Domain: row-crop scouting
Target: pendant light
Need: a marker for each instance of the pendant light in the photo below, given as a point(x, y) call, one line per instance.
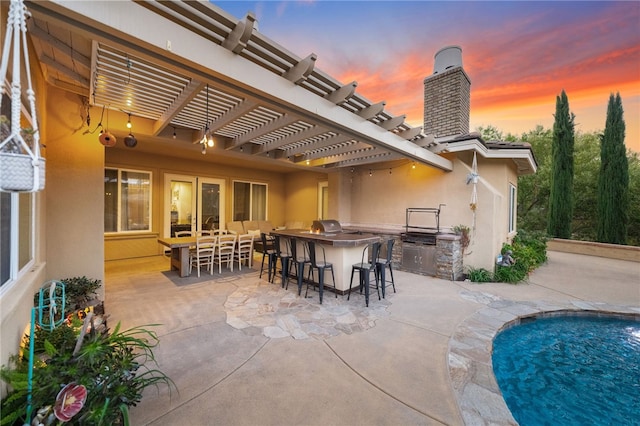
point(207, 138)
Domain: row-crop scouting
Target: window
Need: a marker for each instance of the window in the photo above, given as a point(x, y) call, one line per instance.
point(16, 234)
point(127, 200)
point(17, 223)
point(513, 202)
point(249, 201)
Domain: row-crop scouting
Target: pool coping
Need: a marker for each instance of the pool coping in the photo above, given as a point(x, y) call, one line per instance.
point(476, 391)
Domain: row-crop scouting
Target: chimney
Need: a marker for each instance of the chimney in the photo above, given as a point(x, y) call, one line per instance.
point(447, 95)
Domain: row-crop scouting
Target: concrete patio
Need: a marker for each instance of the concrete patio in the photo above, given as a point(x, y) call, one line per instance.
point(243, 351)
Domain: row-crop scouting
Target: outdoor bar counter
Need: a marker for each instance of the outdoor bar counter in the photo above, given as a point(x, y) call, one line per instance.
point(342, 249)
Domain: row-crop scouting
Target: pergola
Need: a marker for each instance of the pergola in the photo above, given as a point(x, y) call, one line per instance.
point(187, 68)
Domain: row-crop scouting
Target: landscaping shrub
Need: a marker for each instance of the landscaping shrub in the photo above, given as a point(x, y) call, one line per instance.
point(529, 251)
point(480, 275)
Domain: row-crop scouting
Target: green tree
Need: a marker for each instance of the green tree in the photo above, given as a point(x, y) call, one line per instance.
point(492, 133)
point(633, 230)
point(585, 186)
point(534, 189)
point(561, 199)
point(613, 181)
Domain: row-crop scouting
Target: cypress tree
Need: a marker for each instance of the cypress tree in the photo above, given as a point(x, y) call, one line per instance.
point(613, 180)
point(561, 196)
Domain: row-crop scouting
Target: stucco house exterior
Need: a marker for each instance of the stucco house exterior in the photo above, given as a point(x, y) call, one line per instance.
point(291, 144)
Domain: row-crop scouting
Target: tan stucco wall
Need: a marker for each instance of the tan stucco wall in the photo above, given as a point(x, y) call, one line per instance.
point(381, 199)
point(75, 174)
point(291, 197)
point(301, 196)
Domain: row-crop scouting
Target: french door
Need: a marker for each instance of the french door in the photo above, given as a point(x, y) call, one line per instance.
point(193, 203)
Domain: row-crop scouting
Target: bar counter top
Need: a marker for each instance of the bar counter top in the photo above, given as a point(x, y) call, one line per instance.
point(339, 239)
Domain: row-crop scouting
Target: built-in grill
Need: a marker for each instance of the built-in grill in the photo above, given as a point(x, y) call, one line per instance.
point(422, 225)
point(329, 226)
point(419, 239)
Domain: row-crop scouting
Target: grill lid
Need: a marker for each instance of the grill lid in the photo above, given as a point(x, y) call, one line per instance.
point(326, 226)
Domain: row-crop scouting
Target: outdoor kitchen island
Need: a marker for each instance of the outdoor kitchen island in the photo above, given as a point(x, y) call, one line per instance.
point(342, 249)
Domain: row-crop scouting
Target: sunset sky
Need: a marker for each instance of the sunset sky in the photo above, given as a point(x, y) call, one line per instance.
point(519, 55)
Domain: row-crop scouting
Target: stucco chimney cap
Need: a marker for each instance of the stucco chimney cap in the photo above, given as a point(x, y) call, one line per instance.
point(447, 58)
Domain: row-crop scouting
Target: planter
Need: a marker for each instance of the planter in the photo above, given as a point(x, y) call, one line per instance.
point(19, 172)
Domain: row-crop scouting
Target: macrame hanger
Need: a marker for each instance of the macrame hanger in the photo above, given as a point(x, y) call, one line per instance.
point(17, 33)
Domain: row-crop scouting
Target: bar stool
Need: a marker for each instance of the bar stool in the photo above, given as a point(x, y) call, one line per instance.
point(321, 266)
point(267, 252)
point(284, 257)
point(364, 268)
point(298, 262)
point(383, 263)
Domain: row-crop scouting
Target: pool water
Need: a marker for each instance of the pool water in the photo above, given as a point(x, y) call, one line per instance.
point(570, 370)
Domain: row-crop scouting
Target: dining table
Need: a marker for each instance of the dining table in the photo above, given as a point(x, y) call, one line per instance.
point(180, 247)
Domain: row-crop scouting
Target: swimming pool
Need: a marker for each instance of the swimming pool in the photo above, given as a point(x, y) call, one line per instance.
point(570, 370)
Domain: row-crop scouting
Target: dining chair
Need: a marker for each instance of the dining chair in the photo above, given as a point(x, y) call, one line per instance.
point(299, 261)
point(284, 256)
point(321, 265)
point(203, 254)
point(183, 234)
point(269, 253)
point(225, 249)
point(244, 250)
point(385, 262)
point(367, 264)
point(204, 232)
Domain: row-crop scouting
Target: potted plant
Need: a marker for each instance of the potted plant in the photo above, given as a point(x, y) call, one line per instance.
point(464, 232)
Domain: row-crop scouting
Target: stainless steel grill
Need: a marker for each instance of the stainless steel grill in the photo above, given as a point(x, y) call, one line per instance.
point(330, 226)
point(422, 225)
point(419, 240)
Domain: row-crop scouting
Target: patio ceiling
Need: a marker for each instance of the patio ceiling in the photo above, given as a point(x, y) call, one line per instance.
point(185, 66)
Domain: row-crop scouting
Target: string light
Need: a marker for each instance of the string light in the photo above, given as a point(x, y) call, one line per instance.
point(129, 122)
point(174, 133)
point(389, 170)
point(413, 166)
point(370, 172)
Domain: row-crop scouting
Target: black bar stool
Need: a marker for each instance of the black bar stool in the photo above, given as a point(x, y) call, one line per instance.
point(269, 253)
point(364, 268)
point(321, 266)
point(284, 257)
point(383, 263)
point(299, 261)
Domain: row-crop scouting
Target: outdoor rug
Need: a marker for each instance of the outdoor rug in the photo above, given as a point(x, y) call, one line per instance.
point(175, 278)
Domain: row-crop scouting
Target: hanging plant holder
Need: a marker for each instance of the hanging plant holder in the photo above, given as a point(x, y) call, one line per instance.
point(22, 169)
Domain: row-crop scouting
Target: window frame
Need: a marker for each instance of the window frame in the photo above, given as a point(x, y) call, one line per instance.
point(251, 185)
point(119, 182)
